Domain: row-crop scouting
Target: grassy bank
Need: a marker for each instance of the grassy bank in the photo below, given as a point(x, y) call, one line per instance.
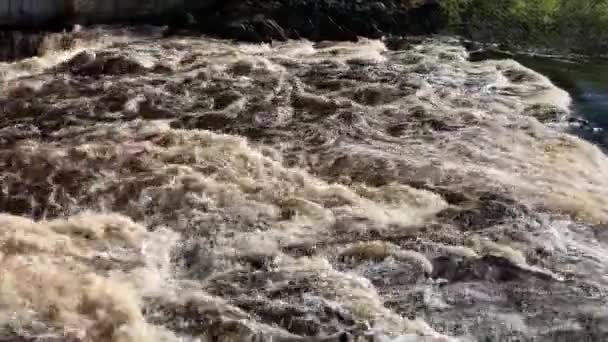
point(570, 25)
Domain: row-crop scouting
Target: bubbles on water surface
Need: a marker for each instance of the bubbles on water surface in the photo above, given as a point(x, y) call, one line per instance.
point(188, 188)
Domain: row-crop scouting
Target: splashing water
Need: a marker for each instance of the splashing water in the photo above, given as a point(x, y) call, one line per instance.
point(175, 189)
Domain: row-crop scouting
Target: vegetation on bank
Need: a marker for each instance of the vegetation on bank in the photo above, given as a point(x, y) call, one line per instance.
point(575, 25)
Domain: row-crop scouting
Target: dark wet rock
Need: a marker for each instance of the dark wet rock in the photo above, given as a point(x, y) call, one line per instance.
point(579, 122)
point(212, 121)
point(351, 118)
point(80, 59)
point(421, 122)
point(225, 99)
point(196, 317)
point(397, 129)
point(485, 211)
point(439, 125)
point(204, 318)
point(153, 110)
point(295, 304)
point(296, 319)
point(451, 196)
point(519, 76)
point(374, 96)
point(15, 45)
point(259, 21)
point(487, 268)
point(446, 266)
point(257, 261)
point(90, 64)
point(107, 65)
point(567, 335)
point(256, 29)
point(302, 250)
point(112, 100)
point(317, 20)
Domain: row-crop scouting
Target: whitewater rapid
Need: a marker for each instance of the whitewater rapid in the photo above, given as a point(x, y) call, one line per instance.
point(189, 189)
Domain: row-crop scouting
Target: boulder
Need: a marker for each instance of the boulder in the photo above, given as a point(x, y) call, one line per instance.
point(317, 19)
point(267, 20)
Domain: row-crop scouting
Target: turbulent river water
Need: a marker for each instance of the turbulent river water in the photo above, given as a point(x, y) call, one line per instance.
point(585, 80)
point(189, 189)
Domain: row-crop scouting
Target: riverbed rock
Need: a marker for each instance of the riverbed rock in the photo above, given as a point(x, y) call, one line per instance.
point(256, 21)
point(318, 20)
point(487, 268)
point(16, 45)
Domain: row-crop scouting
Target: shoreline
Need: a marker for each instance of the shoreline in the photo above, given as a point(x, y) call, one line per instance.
point(280, 20)
point(245, 21)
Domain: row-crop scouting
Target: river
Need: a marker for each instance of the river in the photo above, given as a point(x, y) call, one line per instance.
point(189, 189)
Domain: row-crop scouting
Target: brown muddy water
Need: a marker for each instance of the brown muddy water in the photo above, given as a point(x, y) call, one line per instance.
point(189, 189)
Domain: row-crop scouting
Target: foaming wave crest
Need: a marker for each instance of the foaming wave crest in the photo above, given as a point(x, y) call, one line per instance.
point(78, 275)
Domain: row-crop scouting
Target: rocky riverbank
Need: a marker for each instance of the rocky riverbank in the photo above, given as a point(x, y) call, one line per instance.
point(255, 21)
point(565, 26)
point(262, 20)
point(318, 20)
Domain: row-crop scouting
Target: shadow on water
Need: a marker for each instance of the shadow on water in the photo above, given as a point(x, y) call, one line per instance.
point(586, 81)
